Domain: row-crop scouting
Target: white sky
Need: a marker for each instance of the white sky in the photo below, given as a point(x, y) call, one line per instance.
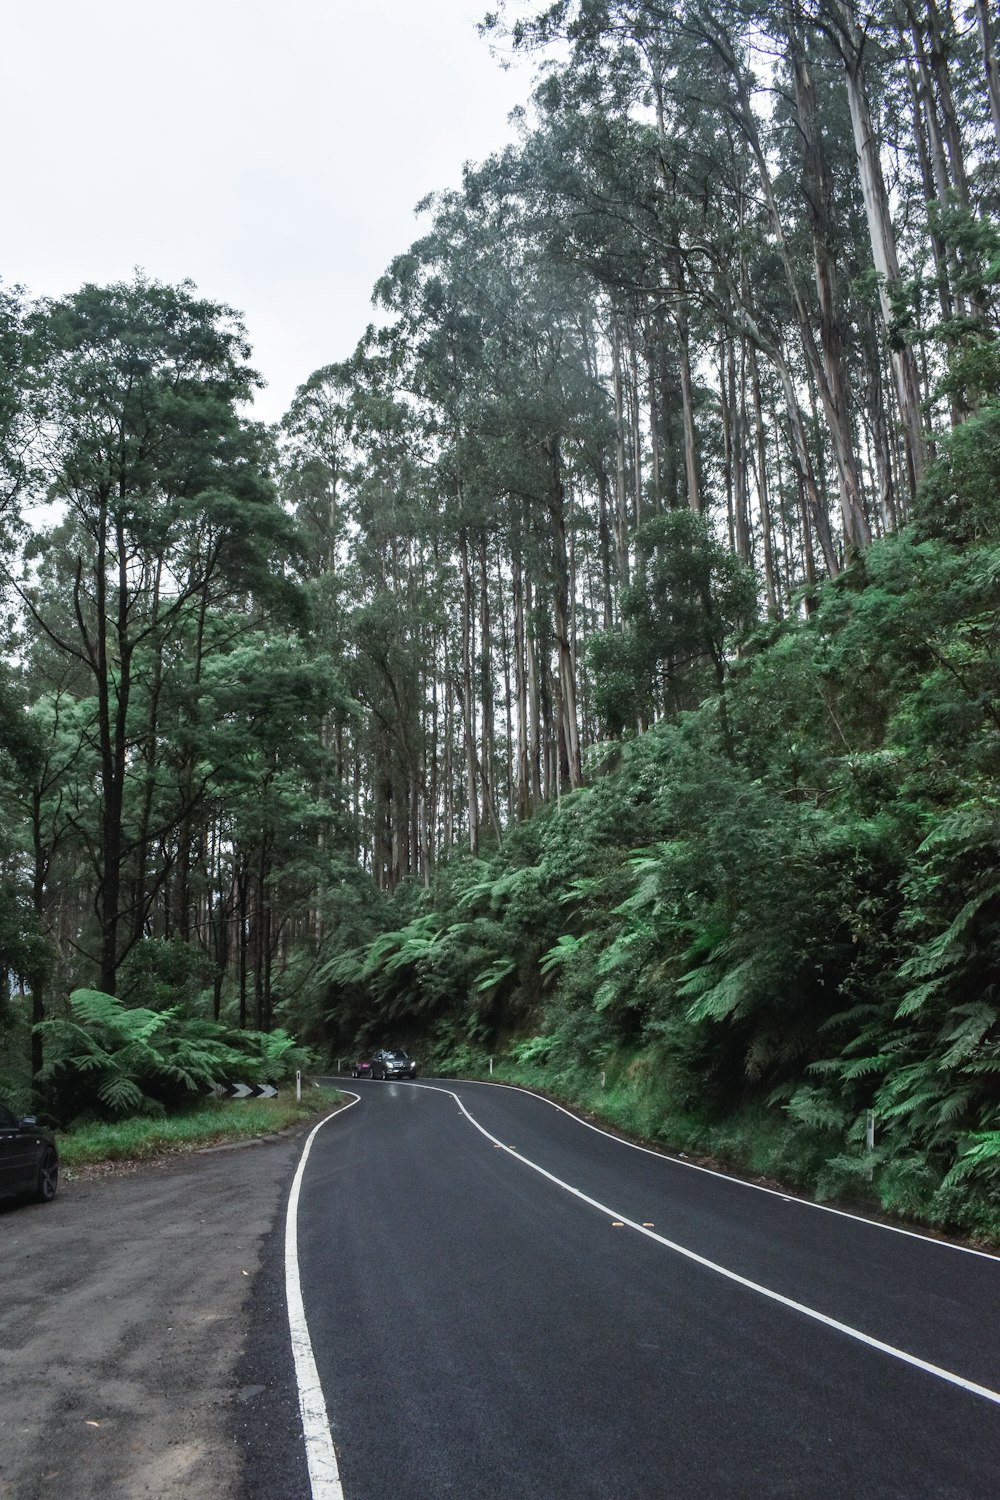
point(272, 151)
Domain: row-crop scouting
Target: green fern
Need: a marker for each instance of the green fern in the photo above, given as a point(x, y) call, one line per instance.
point(564, 948)
point(719, 996)
point(981, 1159)
point(491, 978)
point(122, 1059)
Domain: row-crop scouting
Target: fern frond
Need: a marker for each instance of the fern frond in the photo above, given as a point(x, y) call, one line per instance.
point(563, 948)
point(910, 1105)
point(954, 1105)
point(916, 999)
point(721, 998)
point(815, 1109)
point(983, 1156)
point(120, 1094)
point(492, 977)
point(861, 1067)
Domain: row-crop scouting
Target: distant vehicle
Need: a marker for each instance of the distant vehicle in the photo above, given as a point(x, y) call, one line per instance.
point(29, 1161)
point(392, 1064)
point(362, 1068)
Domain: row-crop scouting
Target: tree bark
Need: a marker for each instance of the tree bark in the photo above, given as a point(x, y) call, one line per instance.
point(849, 41)
point(990, 65)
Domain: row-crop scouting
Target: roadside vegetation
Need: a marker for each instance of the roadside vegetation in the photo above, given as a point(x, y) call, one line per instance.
point(766, 930)
point(212, 1123)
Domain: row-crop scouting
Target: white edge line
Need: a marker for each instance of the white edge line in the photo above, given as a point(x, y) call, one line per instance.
point(758, 1187)
point(321, 1459)
point(753, 1286)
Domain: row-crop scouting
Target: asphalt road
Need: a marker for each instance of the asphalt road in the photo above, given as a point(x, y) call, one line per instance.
point(479, 1329)
point(482, 1331)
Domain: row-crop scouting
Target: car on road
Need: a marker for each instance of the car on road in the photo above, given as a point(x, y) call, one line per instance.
point(392, 1064)
point(29, 1161)
point(362, 1068)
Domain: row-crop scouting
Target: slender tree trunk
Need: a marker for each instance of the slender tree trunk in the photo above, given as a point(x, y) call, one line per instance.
point(818, 197)
point(562, 612)
point(468, 696)
point(737, 417)
point(113, 700)
point(486, 688)
point(635, 405)
point(258, 940)
point(849, 39)
point(682, 325)
point(604, 544)
point(534, 661)
point(506, 647)
point(521, 684)
point(713, 30)
point(992, 69)
point(763, 492)
point(621, 487)
point(243, 899)
point(940, 40)
point(448, 769)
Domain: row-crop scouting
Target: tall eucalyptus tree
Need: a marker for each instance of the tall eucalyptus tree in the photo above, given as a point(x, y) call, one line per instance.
point(166, 510)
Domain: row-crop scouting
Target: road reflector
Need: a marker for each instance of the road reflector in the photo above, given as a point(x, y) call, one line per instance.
point(648, 1224)
point(617, 1224)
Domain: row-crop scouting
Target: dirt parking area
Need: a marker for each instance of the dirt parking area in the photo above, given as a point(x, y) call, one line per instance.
point(125, 1313)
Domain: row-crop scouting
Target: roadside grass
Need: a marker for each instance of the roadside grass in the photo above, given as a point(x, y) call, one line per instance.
point(215, 1122)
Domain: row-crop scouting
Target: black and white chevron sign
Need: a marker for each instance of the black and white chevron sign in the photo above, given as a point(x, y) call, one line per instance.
point(243, 1090)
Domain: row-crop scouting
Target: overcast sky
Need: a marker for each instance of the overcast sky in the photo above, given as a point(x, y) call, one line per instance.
point(272, 151)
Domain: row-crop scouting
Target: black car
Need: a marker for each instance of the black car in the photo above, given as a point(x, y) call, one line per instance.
point(29, 1161)
point(362, 1068)
point(392, 1064)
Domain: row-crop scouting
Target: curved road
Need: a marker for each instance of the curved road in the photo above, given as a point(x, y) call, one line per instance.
point(504, 1301)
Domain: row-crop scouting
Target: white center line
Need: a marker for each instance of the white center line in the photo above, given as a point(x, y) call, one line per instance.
point(710, 1265)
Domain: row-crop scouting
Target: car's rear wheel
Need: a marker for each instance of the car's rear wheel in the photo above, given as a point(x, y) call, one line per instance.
point(48, 1177)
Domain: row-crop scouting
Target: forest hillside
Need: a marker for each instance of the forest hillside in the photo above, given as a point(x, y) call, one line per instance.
point(596, 669)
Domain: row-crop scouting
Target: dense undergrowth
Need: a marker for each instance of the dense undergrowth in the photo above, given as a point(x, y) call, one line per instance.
point(782, 907)
point(107, 1061)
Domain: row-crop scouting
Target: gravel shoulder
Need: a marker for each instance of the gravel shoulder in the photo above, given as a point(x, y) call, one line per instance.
point(125, 1324)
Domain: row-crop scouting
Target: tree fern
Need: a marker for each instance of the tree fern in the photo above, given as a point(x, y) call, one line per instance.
point(121, 1059)
point(490, 979)
point(564, 948)
point(719, 997)
point(981, 1159)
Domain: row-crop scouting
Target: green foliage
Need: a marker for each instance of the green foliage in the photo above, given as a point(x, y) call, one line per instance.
point(166, 973)
point(692, 602)
point(113, 1060)
point(959, 499)
point(268, 1056)
point(980, 1159)
point(802, 925)
point(775, 910)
